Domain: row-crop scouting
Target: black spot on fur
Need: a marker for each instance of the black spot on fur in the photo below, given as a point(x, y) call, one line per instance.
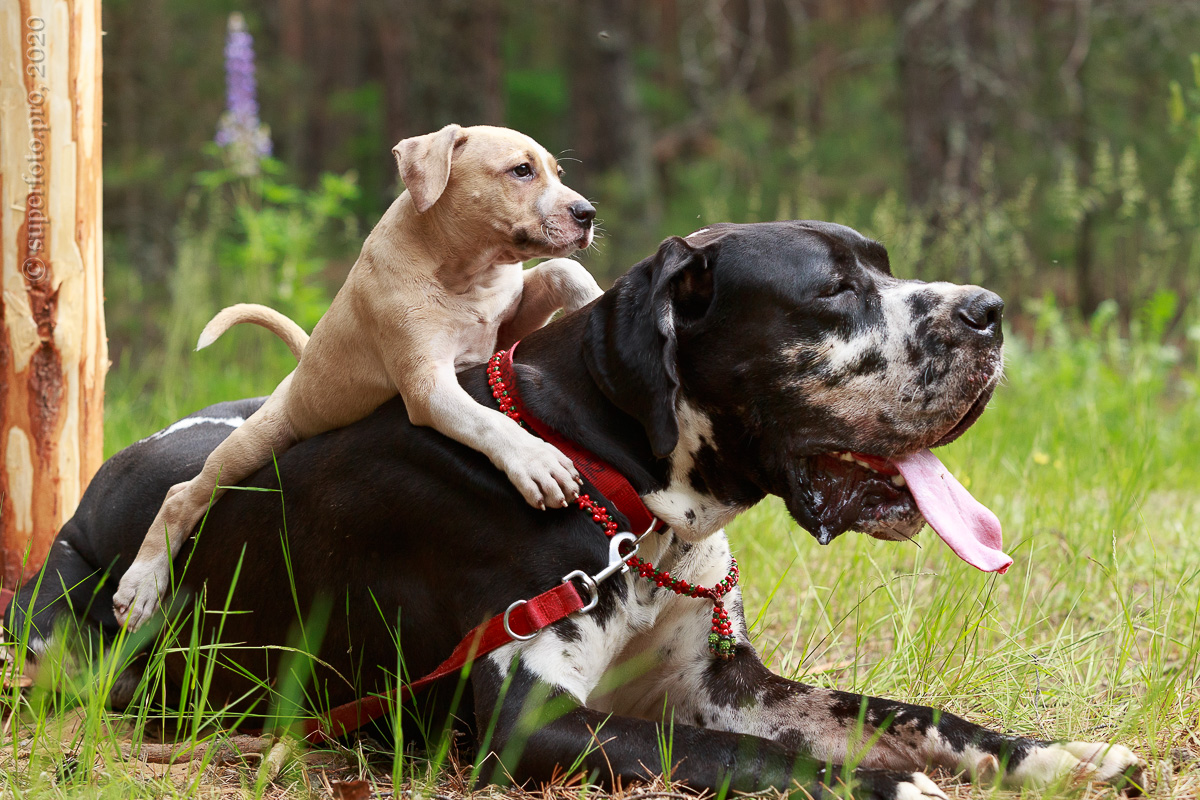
point(690, 515)
point(913, 352)
point(921, 303)
point(568, 631)
point(868, 363)
point(734, 683)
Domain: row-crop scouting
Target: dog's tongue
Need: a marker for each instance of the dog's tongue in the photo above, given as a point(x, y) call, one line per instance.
point(969, 527)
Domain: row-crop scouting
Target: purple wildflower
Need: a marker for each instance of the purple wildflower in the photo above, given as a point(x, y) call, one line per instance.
point(245, 139)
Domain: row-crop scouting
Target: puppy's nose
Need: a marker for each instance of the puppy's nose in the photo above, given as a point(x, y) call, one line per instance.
point(583, 212)
point(982, 310)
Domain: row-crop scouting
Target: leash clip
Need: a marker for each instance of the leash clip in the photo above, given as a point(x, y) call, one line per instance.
point(616, 563)
point(591, 583)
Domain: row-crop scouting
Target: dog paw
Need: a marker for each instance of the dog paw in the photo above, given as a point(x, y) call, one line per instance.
point(574, 285)
point(543, 475)
point(884, 785)
point(1079, 762)
point(137, 596)
point(980, 767)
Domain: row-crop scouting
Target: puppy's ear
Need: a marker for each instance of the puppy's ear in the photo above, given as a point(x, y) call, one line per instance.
point(632, 334)
point(424, 163)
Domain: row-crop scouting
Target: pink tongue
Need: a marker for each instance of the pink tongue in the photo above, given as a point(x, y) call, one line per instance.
point(969, 527)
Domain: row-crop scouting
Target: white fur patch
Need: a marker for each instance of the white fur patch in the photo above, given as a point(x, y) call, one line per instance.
point(918, 787)
point(1073, 762)
point(190, 422)
point(692, 515)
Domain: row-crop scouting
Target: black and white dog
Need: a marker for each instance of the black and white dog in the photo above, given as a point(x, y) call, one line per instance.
point(745, 360)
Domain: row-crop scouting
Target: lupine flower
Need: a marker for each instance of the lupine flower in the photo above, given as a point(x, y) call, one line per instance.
point(245, 139)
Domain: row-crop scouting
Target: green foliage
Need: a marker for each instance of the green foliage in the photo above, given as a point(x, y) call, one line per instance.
point(1185, 107)
point(272, 238)
point(255, 240)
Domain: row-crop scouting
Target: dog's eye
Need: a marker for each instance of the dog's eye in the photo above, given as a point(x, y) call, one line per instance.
point(521, 171)
point(840, 288)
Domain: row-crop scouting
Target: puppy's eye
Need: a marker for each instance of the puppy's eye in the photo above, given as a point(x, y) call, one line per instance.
point(521, 171)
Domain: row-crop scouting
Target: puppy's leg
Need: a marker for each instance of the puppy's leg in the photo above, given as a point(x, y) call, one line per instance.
point(551, 285)
point(545, 477)
point(742, 695)
point(249, 447)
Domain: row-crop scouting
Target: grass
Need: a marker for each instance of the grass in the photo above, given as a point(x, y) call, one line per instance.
point(1087, 454)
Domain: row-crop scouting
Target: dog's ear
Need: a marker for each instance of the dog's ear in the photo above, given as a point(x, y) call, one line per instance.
point(631, 338)
point(424, 163)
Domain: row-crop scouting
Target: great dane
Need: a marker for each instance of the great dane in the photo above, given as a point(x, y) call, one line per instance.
point(744, 360)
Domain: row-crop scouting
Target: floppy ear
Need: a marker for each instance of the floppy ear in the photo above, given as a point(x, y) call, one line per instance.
point(424, 163)
point(630, 342)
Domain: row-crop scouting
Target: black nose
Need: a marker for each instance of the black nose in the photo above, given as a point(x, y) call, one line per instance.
point(583, 212)
point(982, 310)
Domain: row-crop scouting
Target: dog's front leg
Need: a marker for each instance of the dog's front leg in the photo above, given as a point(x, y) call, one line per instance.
point(554, 284)
point(544, 476)
point(742, 695)
point(531, 730)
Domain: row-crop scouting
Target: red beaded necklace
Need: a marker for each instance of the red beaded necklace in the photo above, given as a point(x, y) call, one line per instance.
point(721, 640)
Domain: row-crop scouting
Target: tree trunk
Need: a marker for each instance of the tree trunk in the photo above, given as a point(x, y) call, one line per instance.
point(53, 351)
point(947, 107)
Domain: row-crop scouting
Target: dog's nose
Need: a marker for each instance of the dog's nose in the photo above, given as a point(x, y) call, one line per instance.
point(583, 212)
point(982, 311)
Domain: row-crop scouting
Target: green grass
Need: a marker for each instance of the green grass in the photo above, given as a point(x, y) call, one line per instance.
point(1087, 454)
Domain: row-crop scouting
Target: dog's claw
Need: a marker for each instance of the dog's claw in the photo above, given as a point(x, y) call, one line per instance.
point(137, 596)
point(543, 475)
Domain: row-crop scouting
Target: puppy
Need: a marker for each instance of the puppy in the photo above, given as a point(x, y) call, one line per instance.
point(437, 286)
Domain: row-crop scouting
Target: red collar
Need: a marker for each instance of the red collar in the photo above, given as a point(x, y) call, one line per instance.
point(608, 481)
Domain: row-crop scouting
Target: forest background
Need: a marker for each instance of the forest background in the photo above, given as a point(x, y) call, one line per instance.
point(1047, 149)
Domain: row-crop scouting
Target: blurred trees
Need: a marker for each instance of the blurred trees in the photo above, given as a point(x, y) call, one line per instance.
point(1022, 143)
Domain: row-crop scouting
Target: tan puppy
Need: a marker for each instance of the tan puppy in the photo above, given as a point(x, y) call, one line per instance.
point(437, 284)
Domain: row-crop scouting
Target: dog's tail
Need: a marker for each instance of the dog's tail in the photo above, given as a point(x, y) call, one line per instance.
point(291, 333)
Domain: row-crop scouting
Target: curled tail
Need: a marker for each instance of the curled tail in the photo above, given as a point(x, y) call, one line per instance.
point(291, 333)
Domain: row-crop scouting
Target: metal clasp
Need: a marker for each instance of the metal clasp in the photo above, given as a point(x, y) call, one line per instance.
point(617, 563)
point(591, 583)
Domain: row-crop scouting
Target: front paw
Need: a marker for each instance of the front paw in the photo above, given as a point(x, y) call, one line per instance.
point(542, 474)
point(138, 594)
point(870, 784)
point(1078, 763)
point(574, 284)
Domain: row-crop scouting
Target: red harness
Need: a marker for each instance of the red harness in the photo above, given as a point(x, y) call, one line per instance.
point(523, 618)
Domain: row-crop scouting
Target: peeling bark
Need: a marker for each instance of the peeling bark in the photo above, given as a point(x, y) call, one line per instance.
point(53, 351)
